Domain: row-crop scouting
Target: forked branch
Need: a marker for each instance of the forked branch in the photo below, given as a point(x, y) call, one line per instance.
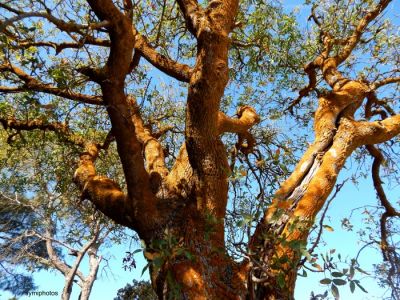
point(247, 118)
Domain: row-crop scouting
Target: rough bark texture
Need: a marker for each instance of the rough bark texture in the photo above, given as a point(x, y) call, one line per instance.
point(179, 213)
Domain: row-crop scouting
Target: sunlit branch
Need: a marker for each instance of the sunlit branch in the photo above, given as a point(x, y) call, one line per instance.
point(310, 70)
point(384, 82)
point(369, 133)
point(103, 192)
point(247, 118)
point(152, 149)
point(175, 69)
point(353, 40)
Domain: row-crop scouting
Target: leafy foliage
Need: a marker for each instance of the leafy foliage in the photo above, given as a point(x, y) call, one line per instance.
point(138, 290)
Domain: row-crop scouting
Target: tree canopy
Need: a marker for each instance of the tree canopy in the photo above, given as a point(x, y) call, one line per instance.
point(216, 130)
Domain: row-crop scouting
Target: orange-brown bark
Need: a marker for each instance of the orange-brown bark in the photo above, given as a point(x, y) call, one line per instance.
point(304, 193)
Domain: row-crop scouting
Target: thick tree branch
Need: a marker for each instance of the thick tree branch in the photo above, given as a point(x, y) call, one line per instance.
point(369, 133)
point(247, 118)
point(104, 193)
point(175, 69)
point(192, 13)
point(139, 209)
point(128, 7)
point(152, 149)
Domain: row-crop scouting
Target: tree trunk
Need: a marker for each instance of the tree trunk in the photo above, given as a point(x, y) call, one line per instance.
point(87, 283)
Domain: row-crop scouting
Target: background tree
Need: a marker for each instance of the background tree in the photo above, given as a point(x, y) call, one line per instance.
point(40, 228)
point(226, 55)
point(137, 290)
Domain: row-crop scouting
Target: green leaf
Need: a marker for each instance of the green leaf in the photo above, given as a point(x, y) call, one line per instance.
point(137, 251)
point(339, 281)
point(360, 286)
point(352, 286)
point(281, 280)
point(189, 255)
point(144, 269)
point(335, 291)
point(304, 274)
point(337, 274)
point(325, 281)
point(240, 223)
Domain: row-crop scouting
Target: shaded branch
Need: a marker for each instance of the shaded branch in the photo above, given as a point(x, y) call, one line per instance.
point(60, 128)
point(33, 84)
point(60, 24)
point(58, 47)
point(388, 251)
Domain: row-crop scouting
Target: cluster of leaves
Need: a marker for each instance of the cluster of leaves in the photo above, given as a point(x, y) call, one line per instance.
point(138, 290)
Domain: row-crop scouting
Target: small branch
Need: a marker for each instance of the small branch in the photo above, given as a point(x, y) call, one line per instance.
point(338, 187)
point(353, 40)
point(87, 40)
point(384, 82)
point(310, 70)
point(60, 24)
point(59, 128)
point(33, 84)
